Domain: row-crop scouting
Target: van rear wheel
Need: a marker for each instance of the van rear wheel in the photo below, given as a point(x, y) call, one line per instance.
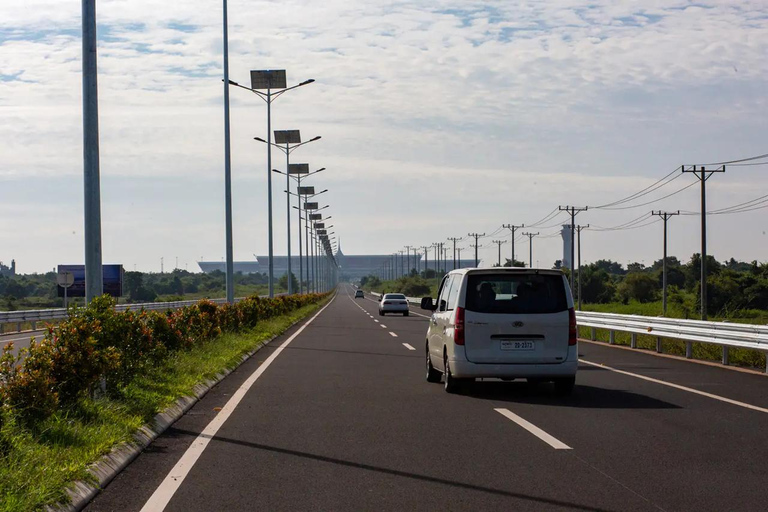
point(564, 386)
point(432, 374)
point(452, 384)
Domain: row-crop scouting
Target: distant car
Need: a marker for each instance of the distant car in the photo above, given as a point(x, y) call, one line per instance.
point(359, 294)
point(505, 323)
point(393, 303)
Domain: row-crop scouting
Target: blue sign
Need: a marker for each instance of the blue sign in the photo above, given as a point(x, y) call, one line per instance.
point(112, 275)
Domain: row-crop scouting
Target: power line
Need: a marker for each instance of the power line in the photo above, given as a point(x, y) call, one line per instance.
point(647, 190)
point(651, 202)
point(759, 157)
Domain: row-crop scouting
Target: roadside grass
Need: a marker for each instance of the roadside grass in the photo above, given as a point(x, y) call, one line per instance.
point(38, 462)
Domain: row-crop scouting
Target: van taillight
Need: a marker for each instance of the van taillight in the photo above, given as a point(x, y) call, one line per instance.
point(573, 331)
point(458, 330)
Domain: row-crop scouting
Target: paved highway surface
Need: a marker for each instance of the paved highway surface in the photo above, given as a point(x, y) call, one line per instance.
point(20, 339)
point(337, 415)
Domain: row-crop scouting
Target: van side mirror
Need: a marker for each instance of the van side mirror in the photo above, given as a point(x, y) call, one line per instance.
point(426, 303)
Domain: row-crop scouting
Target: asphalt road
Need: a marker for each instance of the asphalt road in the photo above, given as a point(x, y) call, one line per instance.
point(341, 418)
point(20, 339)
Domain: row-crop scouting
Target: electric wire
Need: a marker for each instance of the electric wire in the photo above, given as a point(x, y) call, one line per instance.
point(654, 201)
point(647, 190)
point(759, 157)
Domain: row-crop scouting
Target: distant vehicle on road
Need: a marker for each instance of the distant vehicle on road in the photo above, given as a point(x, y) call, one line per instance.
point(503, 323)
point(393, 303)
point(359, 294)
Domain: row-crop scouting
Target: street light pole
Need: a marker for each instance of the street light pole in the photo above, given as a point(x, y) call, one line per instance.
point(94, 279)
point(269, 79)
point(230, 266)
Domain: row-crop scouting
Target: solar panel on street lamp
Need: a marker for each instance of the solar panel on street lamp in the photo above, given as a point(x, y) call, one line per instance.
point(268, 79)
point(287, 136)
point(315, 216)
point(306, 191)
point(298, 168)
point(310, 206)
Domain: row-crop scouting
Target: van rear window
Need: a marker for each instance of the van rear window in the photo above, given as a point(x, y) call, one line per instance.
point(516, 293)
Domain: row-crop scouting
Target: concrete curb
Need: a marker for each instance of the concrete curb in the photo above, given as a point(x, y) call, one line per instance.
point(105, 470)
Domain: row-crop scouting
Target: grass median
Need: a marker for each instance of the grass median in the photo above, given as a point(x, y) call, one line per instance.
point(39, 461)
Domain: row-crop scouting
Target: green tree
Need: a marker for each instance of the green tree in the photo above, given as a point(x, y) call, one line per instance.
point(641, 287)
point(283, 282)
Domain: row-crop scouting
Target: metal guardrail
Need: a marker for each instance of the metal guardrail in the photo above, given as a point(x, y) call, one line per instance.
point(39, 315)
point(723, 334)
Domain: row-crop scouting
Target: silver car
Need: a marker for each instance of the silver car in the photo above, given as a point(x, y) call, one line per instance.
point(393, 303)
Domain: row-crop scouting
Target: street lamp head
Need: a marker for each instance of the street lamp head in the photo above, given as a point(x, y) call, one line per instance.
point(260, 139)
point(315, 138)
point(232, 82)
point(305, 82)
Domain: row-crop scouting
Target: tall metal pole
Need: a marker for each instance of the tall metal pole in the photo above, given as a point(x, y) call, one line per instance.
point(288, 212)
point(230, 266)
point(269, 193)
point(91, 177)
point(301, 257)
point(408, 259)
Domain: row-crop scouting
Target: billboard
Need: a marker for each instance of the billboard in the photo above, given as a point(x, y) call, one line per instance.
point(112, 275)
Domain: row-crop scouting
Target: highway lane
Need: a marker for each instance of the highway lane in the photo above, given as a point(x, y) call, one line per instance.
point(344, 420)
point(20, 339)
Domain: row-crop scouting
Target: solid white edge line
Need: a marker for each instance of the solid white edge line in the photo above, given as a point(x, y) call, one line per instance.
point(395, 336)
point(165, 491)
point(533, 429)
point(678, 386)
point(408, 346)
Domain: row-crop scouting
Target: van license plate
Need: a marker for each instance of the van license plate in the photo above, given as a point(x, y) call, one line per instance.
point(517, 345)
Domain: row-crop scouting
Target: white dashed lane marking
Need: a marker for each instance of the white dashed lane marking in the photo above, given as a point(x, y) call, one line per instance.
point(408, 346)
point(533, 429)
point(395, 336)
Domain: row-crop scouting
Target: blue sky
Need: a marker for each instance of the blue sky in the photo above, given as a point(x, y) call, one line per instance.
point(438, 119)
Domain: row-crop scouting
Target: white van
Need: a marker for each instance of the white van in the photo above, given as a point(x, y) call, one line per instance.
point(502, 323)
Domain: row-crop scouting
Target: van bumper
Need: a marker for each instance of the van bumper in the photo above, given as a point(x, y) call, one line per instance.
point(461, 368)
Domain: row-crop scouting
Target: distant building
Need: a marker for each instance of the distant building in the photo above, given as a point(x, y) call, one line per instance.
point(8, 271)
point(565, 233)
point(352, 267)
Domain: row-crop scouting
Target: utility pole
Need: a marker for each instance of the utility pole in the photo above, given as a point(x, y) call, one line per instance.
point(572, 210)
point(436, 246)
point(162, 268)
point(703, 175)
point(499, 243)
point(476, 236)
point(454, 240)
point(458, 250)
point(665, 216)
point(513, 228)
point(578, 231)
point(426, 260)
point(402, 264)
point(530, 247)
point(408, 259)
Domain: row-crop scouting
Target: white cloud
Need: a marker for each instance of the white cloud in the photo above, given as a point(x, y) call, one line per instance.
point(502, 110)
